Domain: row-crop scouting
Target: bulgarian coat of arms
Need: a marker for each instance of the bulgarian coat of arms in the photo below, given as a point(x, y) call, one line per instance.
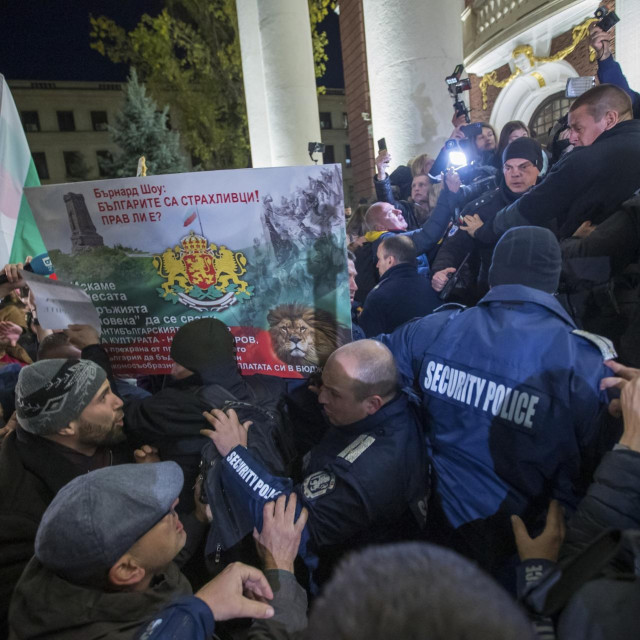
point(203, 276)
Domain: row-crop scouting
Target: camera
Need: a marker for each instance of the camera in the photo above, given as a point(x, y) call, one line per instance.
point(577, 86)
point(607, 19)
point(456, 86)
point(456, 157)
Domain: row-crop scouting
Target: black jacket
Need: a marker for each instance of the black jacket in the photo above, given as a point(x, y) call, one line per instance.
point(589, 183)
point(459, 243)
point(172, 418)
point(32, 471)
point(401, 295)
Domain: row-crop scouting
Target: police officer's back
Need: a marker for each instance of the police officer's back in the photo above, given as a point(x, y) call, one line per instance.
point(510, 393)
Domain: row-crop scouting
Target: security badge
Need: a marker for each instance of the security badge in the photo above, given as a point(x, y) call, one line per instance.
point(318, 484)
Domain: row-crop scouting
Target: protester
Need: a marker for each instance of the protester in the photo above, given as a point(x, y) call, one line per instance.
point(204, 375)
point(277, 543)
point(69, 423)
point(508, 380)
point(366, 481)
point(401, 294)
point(104, 556)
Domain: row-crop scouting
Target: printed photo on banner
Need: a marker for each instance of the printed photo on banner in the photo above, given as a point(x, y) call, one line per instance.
point(263, 250)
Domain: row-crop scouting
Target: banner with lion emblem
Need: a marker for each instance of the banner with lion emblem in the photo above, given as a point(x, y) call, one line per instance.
point(263, 250)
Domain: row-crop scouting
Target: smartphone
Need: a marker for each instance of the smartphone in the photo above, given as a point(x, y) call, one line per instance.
point(382, 145)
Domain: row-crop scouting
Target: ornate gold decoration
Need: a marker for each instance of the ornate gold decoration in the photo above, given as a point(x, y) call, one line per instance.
point(578, 34)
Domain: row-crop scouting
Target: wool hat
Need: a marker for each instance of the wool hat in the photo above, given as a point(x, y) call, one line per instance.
point(98, 516)
point(529, 256)
point(202, 343)
point(52, 393)
point(526, 148)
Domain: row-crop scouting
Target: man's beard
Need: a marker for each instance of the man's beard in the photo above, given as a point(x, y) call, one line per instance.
point(100, 435)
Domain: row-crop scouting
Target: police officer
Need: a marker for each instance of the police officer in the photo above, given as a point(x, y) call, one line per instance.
point(510, 393)
point(365, 480)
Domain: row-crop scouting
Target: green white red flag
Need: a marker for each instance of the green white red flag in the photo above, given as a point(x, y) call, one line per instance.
point(19, 235)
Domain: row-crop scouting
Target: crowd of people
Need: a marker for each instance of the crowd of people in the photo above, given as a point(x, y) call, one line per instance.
point(467, 466)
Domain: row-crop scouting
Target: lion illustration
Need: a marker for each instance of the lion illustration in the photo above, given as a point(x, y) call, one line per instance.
point(303, 335)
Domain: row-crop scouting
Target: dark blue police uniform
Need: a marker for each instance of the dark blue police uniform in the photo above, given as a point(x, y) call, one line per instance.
point(359, 481)
point(510, 394)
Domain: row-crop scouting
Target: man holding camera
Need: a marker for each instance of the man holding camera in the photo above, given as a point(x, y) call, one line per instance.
point(522, 163)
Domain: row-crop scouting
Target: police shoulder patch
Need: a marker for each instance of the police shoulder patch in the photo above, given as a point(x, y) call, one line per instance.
point(357, 448)
point(318, 484)
point(604, 345)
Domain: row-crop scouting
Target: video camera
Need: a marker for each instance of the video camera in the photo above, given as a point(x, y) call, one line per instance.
point(456, 86)
point(607, 19)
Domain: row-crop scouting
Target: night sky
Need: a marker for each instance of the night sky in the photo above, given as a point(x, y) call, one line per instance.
point(49, 39)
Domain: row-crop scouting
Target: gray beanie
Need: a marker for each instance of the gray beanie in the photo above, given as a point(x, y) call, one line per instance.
point(98, 516)
point(527, 255)
point(52, 393)
point(203, 343)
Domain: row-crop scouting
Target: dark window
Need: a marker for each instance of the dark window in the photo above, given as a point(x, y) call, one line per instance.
point(104, 157)
point(75, 165)
point(40, 160)
point(546, 115)
point(328, 157)
point(345, 120)
point(30, 121)
point(99, 120)
point(66, 121)
point(347, 155)
point(325, 120)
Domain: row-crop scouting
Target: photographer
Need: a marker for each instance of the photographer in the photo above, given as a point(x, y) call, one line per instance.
point(522, 164)
point(416, 210)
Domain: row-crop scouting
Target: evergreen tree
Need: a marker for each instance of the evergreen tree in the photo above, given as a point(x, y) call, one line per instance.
point(141, 130)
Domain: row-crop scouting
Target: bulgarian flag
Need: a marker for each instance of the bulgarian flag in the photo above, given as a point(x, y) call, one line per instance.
point(189, 218)
point(19, 235)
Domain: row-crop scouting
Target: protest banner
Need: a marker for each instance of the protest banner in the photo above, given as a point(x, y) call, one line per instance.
point(263, 250)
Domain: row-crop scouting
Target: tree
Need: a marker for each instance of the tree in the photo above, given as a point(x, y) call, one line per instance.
point(318, 10)
point(189, 56)
point(141, 130)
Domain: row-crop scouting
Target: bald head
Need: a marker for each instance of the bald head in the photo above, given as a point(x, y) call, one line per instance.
point(370, 366)
point(382, 216)
point(358, 379)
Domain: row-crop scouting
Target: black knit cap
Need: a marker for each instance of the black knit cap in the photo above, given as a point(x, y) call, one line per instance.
point(526, 148)
point(202, 343)
point(529, 256)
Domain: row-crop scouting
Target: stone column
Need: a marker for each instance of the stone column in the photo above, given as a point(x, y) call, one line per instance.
point(627, 41)
point(279, 81)
point(412, 45)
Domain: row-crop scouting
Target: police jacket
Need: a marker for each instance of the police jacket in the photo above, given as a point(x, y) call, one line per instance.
point(510, 396)
point(357, 483)
point(589, 183)
point(401, 295)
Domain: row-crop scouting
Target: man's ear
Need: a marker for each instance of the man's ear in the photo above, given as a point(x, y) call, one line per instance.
point(70, 430)
point(126, 572)
point(372, 404)
point(611, 119)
